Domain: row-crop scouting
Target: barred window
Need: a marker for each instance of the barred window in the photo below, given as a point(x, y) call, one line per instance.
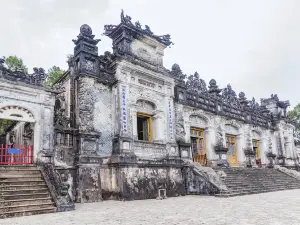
point(64, 139)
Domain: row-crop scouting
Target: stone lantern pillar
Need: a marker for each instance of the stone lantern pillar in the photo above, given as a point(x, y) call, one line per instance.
point(250, 157)
point(271, 157)
point(221, 151)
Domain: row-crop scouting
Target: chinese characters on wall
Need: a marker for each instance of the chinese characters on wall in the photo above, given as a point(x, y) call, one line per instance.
point(170, 118)
point(124, 109)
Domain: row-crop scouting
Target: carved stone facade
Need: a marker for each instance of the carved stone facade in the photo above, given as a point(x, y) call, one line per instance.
point(123, 126)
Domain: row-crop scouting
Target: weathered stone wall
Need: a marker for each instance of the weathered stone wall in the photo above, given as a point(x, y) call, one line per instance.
point(88, 184)
point(141, 182)
point(197, 184)
point(96, 112)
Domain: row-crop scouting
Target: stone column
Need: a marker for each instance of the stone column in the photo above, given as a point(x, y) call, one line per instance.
point(88, 168)
point(274, 143)
point(240, 149)
point(209, 136)
point(263, 148)
point(158, 126)
point(134, 123)
point(88, 183)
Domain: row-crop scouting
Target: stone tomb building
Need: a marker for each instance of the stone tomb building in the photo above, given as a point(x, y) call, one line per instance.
point(123, 126)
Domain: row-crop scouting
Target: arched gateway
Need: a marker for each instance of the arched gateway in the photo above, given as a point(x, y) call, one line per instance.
point(16, 135)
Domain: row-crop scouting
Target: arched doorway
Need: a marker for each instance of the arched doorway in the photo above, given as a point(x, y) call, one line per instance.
point(16, 135)
point(231, 135)
point(198, 123)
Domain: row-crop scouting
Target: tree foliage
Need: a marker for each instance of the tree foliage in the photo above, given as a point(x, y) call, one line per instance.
point(295, 116)
point(54, 73)
point(15, 64)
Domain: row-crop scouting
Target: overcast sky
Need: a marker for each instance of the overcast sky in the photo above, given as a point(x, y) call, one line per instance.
point(252, 44)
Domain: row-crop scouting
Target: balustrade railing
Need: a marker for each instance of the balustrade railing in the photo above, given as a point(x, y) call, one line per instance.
point(16, 154)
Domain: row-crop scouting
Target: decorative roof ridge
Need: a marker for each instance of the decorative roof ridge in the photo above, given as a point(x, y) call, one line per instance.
point(38, 77)
point(137, 27)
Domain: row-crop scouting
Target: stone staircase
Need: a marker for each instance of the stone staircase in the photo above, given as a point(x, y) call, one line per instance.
point(23, 192)
point(245, 181)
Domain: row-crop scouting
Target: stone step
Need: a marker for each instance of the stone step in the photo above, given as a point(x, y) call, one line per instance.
point(27, 212)
point(24, 191)
point(259, 183)
point(262, 188)
point(23, 207)
point(26, 201)
point(262, 179)
point(7, 173)
point(24, 196)
point(21, 179)
point(28, 181)
point(22, 187)
point(25, 175)
point(258, 176)
point(17, 167)
point(239, 193)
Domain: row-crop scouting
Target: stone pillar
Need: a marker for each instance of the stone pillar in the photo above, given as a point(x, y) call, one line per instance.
point(88, 183)
point(263, 148)
point(209, 136)
point(158, 127)
point(274, 143)
point(134, 123)
point(88, 168)
point(240, 149)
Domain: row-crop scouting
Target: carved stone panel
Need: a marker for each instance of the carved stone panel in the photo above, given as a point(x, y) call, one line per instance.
point(149, 150)
point(197, 121)
point(230, 129)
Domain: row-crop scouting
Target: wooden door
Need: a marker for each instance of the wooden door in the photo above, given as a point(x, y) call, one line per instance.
point(232, 153)
point(198, 145)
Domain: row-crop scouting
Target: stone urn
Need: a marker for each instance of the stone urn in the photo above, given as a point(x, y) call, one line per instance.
point(221, 151)
point(281, 160)
point(250, 157)
point(271, 157)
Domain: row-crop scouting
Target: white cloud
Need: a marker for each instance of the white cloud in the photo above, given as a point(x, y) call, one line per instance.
point(253, 45)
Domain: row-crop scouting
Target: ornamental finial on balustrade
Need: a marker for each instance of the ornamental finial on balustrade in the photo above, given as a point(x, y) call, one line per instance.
point(39, 75)
point(242, 99)
point(176, 72)
point(86, 34)
point(229, 97)
point(213, 88)
point(195, 84)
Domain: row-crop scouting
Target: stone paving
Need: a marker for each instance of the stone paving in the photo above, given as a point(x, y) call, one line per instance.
point(274, 208)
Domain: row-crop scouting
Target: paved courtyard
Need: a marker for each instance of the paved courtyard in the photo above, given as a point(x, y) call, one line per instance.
point(274, 208)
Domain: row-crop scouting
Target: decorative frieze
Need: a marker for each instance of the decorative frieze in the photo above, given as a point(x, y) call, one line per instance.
point(146, 83)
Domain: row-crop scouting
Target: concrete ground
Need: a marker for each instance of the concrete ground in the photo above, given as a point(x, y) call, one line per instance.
point(274, 208)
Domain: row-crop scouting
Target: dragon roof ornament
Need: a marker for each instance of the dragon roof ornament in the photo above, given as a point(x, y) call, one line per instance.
point(136, 27)
point(195, 84)
point(274, 98)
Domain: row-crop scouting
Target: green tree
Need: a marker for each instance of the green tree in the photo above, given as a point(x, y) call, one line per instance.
point(54, 73)
point(294, 115)
point(15, 64)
